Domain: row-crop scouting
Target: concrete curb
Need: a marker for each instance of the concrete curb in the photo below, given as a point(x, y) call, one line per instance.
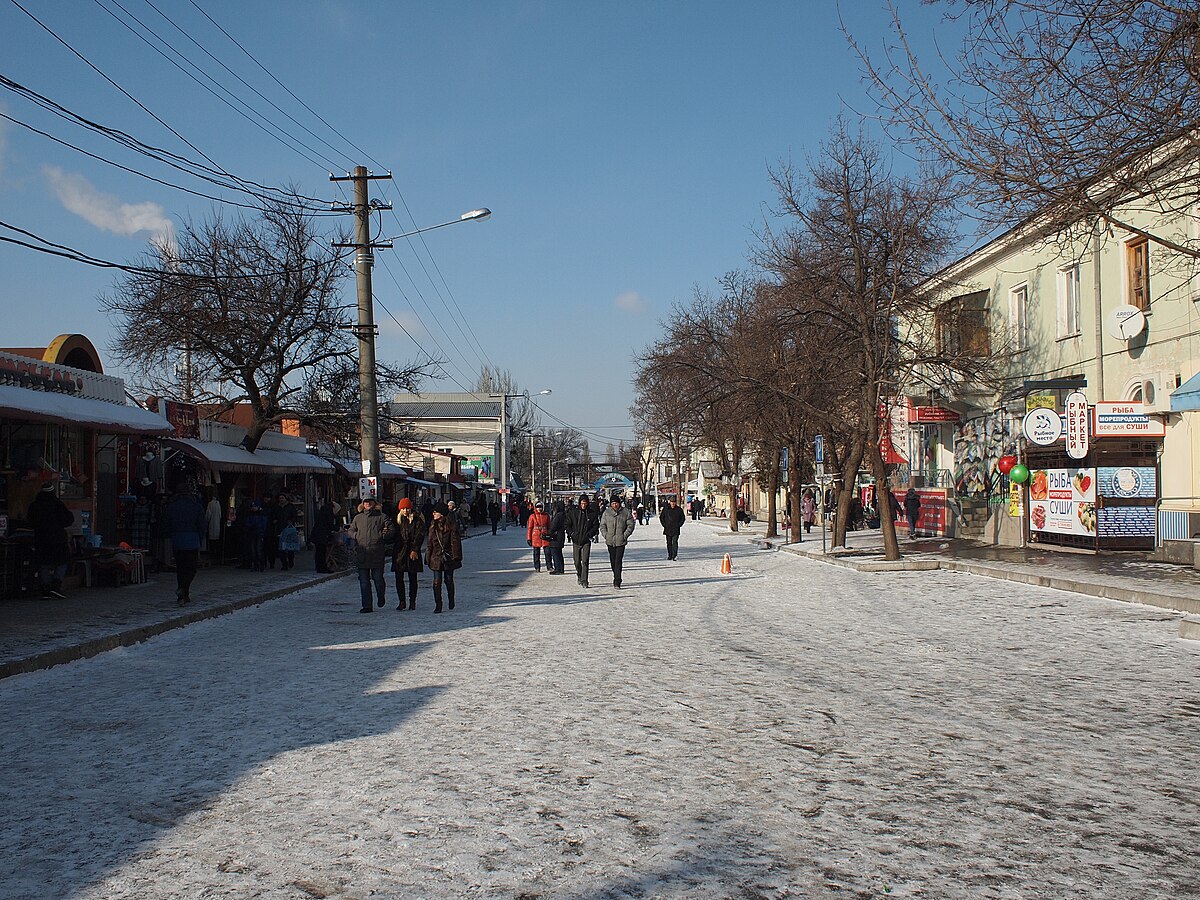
point(1189, 628)
point(865, 565)
point(96, 646)
point(1093, 588)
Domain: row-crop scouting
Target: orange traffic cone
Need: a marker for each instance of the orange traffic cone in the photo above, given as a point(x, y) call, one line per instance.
point(726, 565)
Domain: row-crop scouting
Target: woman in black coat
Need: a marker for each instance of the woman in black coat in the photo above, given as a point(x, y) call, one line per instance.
point(406, 556)
point(443, 554)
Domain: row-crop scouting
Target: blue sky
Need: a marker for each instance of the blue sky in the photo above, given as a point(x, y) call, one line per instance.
point(622, 146)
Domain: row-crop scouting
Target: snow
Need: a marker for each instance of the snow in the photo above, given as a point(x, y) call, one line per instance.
point(799, 730)
point(49, 406)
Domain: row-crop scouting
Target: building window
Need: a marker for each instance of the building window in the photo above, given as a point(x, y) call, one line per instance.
point(1137, 268)
point(1068, 302)
point(962, 326)
point(1018, 303)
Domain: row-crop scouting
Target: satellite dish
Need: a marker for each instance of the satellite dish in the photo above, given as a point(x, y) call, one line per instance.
point(1126, 322)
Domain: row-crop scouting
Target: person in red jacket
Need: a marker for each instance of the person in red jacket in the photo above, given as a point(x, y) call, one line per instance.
point(536, 535)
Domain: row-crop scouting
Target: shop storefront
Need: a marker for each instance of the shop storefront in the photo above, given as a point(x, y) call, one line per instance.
point(70, 428)
point(1102, 499)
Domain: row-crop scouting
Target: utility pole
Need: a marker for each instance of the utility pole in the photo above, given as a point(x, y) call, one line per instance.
point(365, 330)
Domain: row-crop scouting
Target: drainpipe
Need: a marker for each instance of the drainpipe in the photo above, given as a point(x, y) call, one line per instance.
point(1100, 395)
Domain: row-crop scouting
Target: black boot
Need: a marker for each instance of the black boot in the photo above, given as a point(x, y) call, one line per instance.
point(437, 599)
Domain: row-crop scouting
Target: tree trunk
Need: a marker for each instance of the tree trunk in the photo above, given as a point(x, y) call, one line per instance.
point(849, 476)
point(796, 487)
point(772, 490)
point(732, 491)
point(883, 499)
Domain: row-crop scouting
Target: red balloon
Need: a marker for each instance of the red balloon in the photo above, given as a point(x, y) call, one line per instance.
point(1005, 464)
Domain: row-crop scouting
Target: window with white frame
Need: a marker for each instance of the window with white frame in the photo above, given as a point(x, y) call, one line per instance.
point(1018, 304)
point(1068, 301)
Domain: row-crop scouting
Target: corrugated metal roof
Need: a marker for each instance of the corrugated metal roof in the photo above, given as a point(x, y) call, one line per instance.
point(446, 409)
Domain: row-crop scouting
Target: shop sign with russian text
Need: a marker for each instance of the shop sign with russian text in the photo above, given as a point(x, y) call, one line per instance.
point(1126, 420)
point(1077, 425)
point(1042, 426)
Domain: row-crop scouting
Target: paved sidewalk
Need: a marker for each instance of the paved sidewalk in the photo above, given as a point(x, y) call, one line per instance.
point(37, 634)
point(1129, 576)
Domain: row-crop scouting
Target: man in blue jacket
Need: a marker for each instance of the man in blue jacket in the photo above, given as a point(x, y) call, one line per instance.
point(187, 523)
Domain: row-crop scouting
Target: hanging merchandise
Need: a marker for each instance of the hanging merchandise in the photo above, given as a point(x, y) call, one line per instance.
point(1006, 463)
point(1018, 473)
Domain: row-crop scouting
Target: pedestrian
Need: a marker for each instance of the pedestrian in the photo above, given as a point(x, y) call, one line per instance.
point(49, 518)
point(616, 527)
point(641, 513)
point(372, 532)
point(582, 526)
point(808, 510)
point(289, 544)
point(536, 528)
point(406, 555)
point(443, 554)
point(213, 516)
point(912, 509)
point(187, 525)
point(324, 525)
point(556, 537)
point(672, 519)
point(493, 509)
point(255, 526)
point(700, 504)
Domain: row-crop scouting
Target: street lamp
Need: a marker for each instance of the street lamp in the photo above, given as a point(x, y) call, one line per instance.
point(364, 259)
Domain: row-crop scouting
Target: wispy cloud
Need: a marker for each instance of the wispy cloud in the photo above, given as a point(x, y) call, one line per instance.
point(631, 301)
point(107, 212)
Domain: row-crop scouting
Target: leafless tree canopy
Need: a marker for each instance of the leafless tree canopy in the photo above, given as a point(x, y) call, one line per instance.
point(240, 311)
point(1052, 105)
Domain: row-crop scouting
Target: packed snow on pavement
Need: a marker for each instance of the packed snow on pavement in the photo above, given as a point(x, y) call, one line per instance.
point(792, 730)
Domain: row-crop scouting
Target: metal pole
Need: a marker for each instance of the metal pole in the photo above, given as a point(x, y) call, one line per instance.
point(532, 470)
point(504, 456)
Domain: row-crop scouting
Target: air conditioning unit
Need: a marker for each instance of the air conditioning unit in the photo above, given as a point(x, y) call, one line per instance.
point(1156, 391)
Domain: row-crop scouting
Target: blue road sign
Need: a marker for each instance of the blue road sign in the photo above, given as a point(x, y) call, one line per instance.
point(819, 448)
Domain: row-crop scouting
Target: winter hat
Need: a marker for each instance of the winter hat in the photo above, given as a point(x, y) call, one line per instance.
point(538, 505)
point(48, 486)
point(584, 498)
point(441, 508)
point(370, 499)
point(405, 503)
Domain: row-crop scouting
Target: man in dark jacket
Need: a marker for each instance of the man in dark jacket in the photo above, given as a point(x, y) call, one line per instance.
point(912, 509)
point(493, 510)
point(672, 519)
point(324, 525)
point(582, 525)
point(372, 533)
point(186, 523)
point(49, 518)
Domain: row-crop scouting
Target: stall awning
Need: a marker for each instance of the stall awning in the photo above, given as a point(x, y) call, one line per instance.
point(65, 409)
point(238, 459)
point(413, 480)
point(1186, 397)
point(386, 469)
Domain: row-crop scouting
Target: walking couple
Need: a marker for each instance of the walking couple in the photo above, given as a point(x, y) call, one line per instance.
point(374, 534)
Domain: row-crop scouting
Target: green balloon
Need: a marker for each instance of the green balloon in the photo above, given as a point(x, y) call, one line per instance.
point(1018, 474)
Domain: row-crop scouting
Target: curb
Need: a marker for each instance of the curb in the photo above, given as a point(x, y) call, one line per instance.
point(1189, 628)
point(867, 565)
point(96, 646)
point(1094, 589)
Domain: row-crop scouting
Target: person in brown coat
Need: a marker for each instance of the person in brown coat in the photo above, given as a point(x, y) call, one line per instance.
point(443, 554)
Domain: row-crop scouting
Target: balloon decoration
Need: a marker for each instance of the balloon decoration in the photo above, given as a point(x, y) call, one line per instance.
point(1018, 474)
point(1005, 464)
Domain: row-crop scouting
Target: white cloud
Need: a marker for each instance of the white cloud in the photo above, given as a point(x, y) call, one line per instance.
point(105, 211)
point(630, 301)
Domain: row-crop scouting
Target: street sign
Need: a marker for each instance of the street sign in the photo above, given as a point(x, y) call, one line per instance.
point(1077, 425)
point(819, 448)
point(820, 470)
point(368, 486)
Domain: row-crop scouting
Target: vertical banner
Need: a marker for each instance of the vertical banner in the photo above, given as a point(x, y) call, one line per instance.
point(1077, 425)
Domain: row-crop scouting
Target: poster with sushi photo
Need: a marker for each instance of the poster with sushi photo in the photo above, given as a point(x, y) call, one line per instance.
point(1063, 501)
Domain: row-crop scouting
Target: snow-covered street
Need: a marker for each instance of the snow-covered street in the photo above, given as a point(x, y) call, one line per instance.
point(792, 730)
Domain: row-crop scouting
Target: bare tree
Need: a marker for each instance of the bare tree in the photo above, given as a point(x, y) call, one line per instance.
point(1078, 111)
point(239, 311)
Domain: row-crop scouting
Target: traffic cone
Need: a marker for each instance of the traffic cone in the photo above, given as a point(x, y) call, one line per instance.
point(726, 565)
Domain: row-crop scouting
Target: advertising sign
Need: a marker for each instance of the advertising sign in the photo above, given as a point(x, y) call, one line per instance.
point(1063, 501)
point(1128, 482)
point(368, 486)
point(1126, 420)
point(1039, 401)
point(1042, 426)
point(932, 414)
point(1014, 500)
point(1077, 425)
point(1127, 521)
